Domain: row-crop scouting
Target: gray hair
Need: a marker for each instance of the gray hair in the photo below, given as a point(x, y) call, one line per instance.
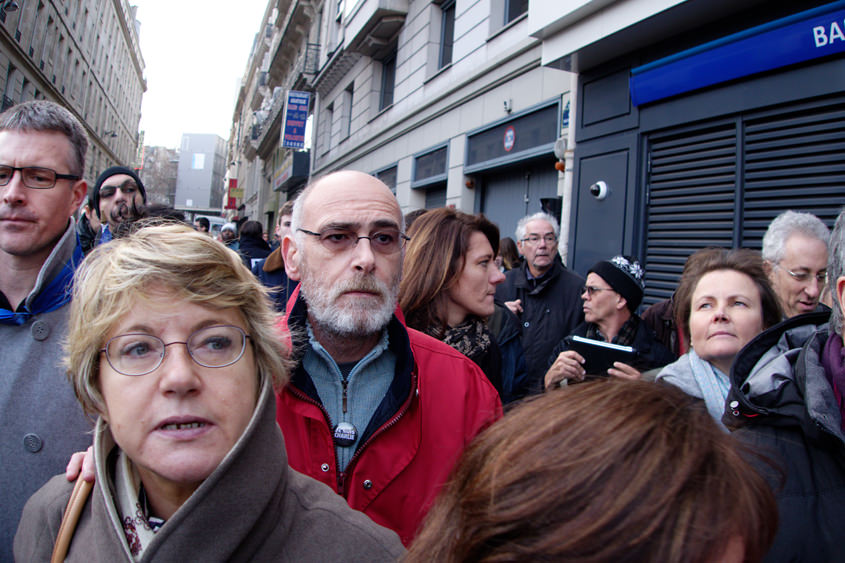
point(836, 269)
point(784, 226)
point(49, 117)
point(540, 216)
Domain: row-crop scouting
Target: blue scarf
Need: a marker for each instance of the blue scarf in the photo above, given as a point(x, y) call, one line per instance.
point(51, 297)
point(713, 383)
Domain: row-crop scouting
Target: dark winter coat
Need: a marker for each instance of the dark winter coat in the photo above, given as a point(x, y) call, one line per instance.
point(252, 250)
point(782, 403)
point(271, 273)
point(504, 326)
point(651, 353)
point(551, 309)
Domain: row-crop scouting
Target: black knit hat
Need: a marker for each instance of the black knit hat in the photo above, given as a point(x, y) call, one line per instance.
point(108, 173)
point(625, 275)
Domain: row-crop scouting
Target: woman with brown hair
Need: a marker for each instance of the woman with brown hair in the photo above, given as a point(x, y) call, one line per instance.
point(614, 470)
point(723, 301)
point(448, 283)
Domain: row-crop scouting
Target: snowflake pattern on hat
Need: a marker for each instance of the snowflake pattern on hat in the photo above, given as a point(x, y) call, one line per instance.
point(630, 267)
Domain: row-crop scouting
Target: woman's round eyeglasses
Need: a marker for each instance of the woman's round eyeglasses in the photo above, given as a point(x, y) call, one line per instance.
point(138, 353)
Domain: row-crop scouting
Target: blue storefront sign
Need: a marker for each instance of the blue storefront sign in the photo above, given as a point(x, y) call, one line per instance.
point(296, 114)
point(801, 37)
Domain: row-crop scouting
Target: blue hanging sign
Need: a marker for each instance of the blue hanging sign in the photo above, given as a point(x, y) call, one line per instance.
point(801, 37)
point(296, 114)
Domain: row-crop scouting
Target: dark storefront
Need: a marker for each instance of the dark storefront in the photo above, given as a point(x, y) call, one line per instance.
point(697, 151)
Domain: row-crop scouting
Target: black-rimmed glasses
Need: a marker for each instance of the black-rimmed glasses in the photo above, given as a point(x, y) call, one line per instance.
point(34, 177)
point(138, 353)
point(383, 241)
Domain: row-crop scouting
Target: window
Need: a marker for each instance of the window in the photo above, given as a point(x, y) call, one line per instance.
point(430, 167)
point(327, 128)
point(347, 110)
point(388, 176)
point(514, 9)
point(388, 81)
point(447, 33)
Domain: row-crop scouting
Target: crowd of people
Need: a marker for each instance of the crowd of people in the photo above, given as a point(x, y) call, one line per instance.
point(373, 382)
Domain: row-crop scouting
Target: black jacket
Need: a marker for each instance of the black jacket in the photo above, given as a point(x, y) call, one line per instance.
point(252, 250)
point(504, 326)
point(551, 307)
point(651, 353)
point(781, 402)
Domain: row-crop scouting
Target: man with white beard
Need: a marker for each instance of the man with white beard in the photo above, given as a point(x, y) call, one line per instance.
point(375, 410)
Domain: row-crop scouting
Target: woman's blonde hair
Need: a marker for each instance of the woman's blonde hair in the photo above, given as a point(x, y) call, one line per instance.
point(177, 259)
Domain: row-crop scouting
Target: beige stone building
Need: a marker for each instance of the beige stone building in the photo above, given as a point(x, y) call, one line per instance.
point(85, 55)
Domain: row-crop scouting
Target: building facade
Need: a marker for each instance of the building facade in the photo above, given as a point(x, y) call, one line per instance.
point(200, 172)
point(159, 172)
point(446, 102)
point(698, 122)
point(85, 56)
point(284, 58)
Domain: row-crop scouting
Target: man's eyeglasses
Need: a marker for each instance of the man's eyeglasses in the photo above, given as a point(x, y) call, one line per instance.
point(590, 290)
point(383, 241)
point(34, 177)
point(803, 277)
point(141, 353)
point(127, 188)
point(535, 239)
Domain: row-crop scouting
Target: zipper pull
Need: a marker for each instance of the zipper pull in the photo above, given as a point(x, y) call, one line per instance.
point(345, 384)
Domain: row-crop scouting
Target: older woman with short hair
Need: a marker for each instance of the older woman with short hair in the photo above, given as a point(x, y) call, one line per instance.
point(172, 345)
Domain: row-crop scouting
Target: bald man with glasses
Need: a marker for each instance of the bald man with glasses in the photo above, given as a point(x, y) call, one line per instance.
point(377, 411)
point(42, 158)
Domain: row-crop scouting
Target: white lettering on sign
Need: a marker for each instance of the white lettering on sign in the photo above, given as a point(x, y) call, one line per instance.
point(824, 36)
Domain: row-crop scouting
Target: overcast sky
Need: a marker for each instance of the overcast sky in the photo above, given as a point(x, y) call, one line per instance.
point(195, 52)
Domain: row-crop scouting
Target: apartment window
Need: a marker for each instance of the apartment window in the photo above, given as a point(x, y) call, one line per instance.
point(514, 9)
point(327, 128)
point(388, 81)
point(347, 110)
point(447, 33)
point(388, 176)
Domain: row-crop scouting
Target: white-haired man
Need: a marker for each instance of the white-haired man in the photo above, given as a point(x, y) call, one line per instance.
point(542, 293)
point(795, 251)
point(375, 410)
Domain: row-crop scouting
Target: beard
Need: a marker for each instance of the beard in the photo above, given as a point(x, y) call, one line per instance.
point(346, 316)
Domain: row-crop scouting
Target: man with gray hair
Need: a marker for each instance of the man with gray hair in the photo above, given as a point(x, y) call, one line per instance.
point(375, 410)
point(787, 399)
point(42, 160)
point(542, 293)
point(795, 251)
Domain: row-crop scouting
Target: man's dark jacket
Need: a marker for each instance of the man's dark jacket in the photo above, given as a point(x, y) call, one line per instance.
point(551, 309)
point(271, 273)
point(651, 353)
point(782, 404)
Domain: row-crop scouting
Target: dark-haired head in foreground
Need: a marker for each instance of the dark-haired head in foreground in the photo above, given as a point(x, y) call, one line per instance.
point(613, 470)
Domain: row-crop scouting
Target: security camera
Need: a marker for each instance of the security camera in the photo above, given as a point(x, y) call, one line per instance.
point(599, 190)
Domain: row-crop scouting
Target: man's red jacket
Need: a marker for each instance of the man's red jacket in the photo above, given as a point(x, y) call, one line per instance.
point(439, 400)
